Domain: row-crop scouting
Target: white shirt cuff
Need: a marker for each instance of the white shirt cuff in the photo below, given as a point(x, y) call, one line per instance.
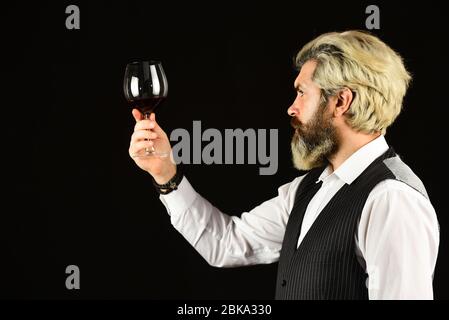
point(178, 201)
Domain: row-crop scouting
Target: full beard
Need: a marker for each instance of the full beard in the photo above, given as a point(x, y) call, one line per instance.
point(314, 143)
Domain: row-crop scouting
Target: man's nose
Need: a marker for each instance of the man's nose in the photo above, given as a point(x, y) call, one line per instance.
point(292, 111)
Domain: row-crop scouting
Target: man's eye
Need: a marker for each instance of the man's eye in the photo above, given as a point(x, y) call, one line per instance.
point(300, 93)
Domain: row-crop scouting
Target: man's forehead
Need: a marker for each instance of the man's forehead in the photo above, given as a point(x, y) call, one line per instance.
point(301, 82)
point(305, 75)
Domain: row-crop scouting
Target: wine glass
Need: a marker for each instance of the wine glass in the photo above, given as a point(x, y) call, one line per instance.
point(145, 87)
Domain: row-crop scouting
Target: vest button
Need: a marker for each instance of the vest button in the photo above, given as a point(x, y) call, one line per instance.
point(284, 283)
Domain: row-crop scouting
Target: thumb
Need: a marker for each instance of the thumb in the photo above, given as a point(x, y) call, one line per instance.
point(137, 115)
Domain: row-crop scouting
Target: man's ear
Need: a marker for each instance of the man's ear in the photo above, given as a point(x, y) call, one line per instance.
point(344, 100)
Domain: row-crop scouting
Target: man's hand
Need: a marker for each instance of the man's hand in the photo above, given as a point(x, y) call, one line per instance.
point(147, 134)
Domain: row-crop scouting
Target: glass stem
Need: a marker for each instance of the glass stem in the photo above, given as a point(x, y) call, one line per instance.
point(149, 150)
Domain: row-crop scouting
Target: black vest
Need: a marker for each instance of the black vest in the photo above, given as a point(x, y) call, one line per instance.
point(325, 265)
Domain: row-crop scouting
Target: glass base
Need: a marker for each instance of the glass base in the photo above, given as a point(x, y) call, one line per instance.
point(150, 153)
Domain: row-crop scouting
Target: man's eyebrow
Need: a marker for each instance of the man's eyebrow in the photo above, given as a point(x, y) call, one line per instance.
point(299, 86)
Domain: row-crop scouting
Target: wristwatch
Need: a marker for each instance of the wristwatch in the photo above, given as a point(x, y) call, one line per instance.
point(172, 184)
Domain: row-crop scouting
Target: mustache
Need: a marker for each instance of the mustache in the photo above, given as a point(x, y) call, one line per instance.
point(295, 123)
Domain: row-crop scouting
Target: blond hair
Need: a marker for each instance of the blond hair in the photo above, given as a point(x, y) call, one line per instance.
point(373, 71)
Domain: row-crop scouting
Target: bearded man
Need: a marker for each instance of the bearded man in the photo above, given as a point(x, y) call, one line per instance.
point(359, 224)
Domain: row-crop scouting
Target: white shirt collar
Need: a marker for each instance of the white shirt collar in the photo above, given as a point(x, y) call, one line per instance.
point(358, 161)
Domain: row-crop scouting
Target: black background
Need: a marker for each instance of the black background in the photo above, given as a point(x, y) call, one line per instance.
point(73, 196)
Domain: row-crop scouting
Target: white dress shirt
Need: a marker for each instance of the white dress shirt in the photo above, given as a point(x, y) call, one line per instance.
point(396, 241)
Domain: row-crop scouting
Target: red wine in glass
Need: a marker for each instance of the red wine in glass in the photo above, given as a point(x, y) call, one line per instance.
point(145, 87)
point(148, 105)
